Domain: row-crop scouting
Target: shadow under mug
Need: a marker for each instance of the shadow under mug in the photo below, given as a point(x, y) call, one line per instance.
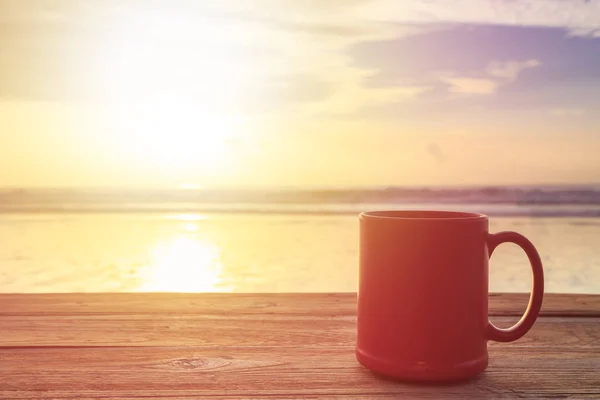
point(423, 294)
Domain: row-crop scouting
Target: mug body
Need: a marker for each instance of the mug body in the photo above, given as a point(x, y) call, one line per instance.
point(423, 294)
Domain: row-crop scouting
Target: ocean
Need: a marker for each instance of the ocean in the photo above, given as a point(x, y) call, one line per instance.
point(99, 240)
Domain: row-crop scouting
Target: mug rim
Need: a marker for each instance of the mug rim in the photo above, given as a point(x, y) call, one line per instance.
point(422, 215)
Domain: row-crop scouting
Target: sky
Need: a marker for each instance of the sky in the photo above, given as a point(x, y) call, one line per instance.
point(299, 93)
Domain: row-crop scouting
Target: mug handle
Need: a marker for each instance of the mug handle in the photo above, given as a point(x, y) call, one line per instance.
point(537, 290)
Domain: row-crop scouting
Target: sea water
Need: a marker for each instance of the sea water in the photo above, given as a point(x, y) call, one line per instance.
point(255, 251)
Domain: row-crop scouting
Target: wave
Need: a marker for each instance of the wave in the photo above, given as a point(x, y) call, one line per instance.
point(508, 200)
point(311, 209)
point(487, 194)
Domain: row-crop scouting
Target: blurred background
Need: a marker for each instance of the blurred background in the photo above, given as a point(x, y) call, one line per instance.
point(226, 146)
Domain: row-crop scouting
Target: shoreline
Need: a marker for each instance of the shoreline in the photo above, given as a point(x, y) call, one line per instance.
point(585, 213)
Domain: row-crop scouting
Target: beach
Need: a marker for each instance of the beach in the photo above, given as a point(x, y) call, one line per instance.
point(252, 252)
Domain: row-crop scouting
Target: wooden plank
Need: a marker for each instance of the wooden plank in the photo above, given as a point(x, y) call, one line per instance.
point(272, 371)
point(264, 346)
point(337, 304)
point(554, 304)
point(224, 330)
point(134, 395)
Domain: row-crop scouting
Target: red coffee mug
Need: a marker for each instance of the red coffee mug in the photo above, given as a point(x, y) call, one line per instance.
point(423, 294)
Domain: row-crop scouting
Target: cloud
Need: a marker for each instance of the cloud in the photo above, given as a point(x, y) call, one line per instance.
point(473, 49)
point(500, 67)
point(510, 70)
point(579, 17)
point(498, 74)
point(350, 95)
point(336, 56)
point(471, 85)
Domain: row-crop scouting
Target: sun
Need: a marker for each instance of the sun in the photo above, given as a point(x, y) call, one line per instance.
point(177, 90)
point(178, 135)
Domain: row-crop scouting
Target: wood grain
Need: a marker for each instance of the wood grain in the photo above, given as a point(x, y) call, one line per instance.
point(275, 346)
point(271, 371)
point(339, 304)
point(226, 330)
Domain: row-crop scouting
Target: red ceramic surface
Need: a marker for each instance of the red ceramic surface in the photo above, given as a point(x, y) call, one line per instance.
point(423, 294)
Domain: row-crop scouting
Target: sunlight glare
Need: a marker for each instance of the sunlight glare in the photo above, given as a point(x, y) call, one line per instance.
point(189, 186)
point(190, 227)
point(178, 136)
point(185, 264)
point(188, 217)
point(177, 106)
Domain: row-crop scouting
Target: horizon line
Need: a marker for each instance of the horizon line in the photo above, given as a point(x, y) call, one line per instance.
point(189, 188)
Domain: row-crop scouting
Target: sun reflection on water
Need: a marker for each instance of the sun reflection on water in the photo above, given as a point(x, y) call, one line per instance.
point(184, 264)
point(188, 217)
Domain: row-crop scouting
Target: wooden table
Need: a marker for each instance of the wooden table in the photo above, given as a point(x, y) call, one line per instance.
point(275, 346)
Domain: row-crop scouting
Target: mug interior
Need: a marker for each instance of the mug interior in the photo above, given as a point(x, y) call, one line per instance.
point(422, 214)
